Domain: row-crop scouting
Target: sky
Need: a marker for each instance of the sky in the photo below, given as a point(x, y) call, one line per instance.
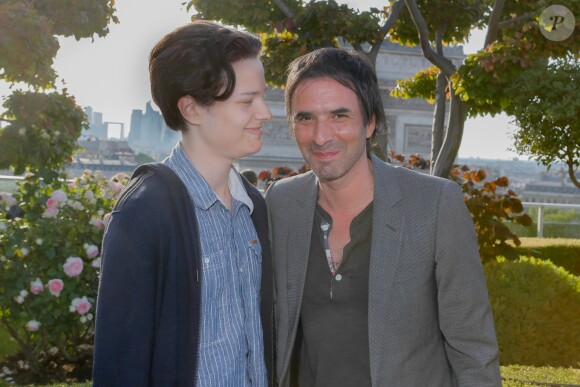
point(111, 75)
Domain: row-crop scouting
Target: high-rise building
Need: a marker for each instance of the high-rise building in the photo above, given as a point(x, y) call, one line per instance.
point(97, 128)
point(149, 133)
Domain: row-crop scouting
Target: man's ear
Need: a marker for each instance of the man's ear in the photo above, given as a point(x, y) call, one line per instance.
point(189, 110)
point(371, 127)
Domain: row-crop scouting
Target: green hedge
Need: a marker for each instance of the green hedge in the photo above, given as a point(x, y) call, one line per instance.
point(562, 252)
point(535, 306)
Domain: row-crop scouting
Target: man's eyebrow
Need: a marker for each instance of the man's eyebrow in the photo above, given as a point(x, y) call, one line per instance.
point(301, 115)
point(340, 111)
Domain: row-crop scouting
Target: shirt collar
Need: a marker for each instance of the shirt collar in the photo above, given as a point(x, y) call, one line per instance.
point(201, 193)
point(237, 189)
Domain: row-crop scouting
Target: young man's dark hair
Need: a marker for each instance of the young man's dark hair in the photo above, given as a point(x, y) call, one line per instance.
point(349, 68)
point(196, 60)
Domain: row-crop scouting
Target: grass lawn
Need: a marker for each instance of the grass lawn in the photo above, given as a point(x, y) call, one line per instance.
point(519, 376)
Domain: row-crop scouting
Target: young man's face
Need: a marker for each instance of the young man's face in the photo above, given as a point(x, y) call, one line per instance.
point(232, 128)
point(329, 127)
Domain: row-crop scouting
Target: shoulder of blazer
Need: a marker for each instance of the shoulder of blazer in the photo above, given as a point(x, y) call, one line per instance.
point(294, 188)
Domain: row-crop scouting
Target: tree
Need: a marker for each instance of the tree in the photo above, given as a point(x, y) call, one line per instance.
point(547, 112)
point(41, 123)
point(481, 85)
point(290, 28)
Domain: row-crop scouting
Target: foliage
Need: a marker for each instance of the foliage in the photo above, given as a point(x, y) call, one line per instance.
point(42, 126)
point(562, 252)
point(29, 30)
point(520, 376)
point(535, 306)
point(142, 158)
point(547, 113)
point(491, 203)
point(279, 173)
point(421, 85)
point(458, 17)
point(42, 131)
point(49, 264)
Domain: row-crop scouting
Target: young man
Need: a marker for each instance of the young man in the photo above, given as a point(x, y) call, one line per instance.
point(377, 273)
point(185, 296)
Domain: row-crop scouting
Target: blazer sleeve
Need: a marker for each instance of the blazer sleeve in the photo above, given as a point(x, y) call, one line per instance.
point(465, 315)
point(125, 316)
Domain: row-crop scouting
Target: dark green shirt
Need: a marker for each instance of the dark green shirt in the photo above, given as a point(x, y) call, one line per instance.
point(335, 341)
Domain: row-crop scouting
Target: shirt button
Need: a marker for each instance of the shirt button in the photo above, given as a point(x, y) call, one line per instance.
point(338, 277)
point(206, 260)
point(241, 270)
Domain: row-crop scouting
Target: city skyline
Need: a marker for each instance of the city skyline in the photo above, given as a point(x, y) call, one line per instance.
point(111, 75)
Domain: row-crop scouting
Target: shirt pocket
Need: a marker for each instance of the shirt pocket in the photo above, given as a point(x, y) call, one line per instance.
point(255, 263)
point(216, 322)
point(214, 273)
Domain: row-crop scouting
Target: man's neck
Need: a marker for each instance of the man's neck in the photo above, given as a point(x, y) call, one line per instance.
point(351, 193)
point(214, 170)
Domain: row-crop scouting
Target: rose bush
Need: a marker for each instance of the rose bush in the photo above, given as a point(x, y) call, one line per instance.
point(49, 266)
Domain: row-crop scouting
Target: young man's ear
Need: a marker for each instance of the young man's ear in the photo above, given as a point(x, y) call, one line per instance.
point(189, 110)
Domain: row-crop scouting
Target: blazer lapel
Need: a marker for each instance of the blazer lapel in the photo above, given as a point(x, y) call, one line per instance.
point(387, 237)
point(300, 218)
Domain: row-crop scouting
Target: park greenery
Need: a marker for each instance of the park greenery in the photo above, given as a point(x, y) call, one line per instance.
point(51, 227)
point(481, 85)
point(41, 121)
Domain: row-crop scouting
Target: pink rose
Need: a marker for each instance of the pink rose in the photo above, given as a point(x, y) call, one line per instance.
point(92, 251)
point(51, 203)
point(81, 305)
point(59, 196)
point(32, 325)
point(73, 266)
point(50, 212)
point(98, 223)
point(55, 286)
point(36, 286)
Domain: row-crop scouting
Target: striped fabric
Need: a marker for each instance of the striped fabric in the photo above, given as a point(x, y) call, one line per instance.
point(231, 342)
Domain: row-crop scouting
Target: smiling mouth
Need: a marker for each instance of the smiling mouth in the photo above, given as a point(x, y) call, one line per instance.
point(325, 155)
point(255, 131)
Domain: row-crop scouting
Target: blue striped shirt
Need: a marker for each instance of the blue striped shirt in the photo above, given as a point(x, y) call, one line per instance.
point(231, 349)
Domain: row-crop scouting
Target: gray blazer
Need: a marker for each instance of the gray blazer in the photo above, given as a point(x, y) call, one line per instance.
point(430, 322)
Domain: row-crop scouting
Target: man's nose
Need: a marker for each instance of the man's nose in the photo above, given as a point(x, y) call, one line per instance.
point(323, 132)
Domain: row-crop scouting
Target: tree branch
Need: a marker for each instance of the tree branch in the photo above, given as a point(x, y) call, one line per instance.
point(494, 19)
point(452, 140)
point(389, 23)
point(572, 170)
point(445, 65)
point(284, 8)
point(518, 19)
point(438, 127)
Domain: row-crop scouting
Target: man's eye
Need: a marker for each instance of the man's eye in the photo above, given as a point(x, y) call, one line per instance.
point(340, 115)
